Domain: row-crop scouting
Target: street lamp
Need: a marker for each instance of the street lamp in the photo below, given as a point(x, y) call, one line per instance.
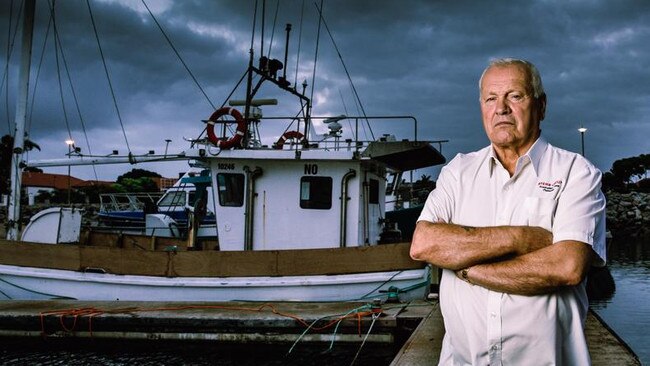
point(582, 131)
point(167, 145)
point(70, 143)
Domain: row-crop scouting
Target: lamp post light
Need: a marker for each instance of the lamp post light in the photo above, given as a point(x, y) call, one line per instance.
point(70, 143)
point(167, 145)
point(582, 131)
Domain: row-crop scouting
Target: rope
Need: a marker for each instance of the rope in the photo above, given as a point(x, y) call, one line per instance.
point(356, 312)
point(76, 100)
point(275, 20)
point(313, 76)
point(58, 75)
point(38, 71)
point(108, 77)
point(354, 90)
point(374, 319)
point(33, 291)
point(302, 13)
point(178, 55)
point(92, 312)
point(10, 46)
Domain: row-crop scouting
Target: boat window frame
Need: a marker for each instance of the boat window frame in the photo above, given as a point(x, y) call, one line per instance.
point(319, 194)
point(178, 198)
point(226, 188)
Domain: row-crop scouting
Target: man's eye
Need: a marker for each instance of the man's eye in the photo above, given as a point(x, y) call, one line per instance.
point(516, 97)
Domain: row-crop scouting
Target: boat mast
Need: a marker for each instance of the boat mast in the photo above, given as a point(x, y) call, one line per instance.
point(13, 210)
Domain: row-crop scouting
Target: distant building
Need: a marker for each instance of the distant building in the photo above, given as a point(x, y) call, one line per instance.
point(33, 183)
point(164, 183)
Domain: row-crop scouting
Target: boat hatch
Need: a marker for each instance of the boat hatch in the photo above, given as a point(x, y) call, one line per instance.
point(404, 155)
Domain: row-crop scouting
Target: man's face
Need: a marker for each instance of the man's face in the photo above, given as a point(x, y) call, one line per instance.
point(511, 114)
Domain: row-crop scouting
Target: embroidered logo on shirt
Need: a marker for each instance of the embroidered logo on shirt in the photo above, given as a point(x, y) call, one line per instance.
point(549, 187)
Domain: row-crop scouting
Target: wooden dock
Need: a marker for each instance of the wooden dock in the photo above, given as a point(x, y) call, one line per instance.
point(416, 325)
point(423, 347)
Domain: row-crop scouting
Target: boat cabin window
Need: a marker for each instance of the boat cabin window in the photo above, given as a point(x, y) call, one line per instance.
point(173, 198)
point(316, 192)
point(231, 189)
point(373, 194)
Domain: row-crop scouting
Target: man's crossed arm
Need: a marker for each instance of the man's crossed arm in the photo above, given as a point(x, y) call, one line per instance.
point(512, 259)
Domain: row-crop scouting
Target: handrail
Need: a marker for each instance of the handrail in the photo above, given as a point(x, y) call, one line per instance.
point(111, 202)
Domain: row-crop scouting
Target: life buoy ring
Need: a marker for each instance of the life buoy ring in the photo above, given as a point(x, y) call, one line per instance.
point(296, 135)
point(239, 134)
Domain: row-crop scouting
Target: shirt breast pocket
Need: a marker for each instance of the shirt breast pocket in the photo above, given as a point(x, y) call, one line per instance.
point(540, 211)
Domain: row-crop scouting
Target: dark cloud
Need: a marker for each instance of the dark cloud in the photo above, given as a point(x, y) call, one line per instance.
point(420, 58)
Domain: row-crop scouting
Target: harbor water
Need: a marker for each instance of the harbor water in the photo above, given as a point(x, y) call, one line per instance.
point(626, 313)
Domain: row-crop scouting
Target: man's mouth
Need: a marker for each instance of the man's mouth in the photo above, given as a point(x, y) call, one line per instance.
point(504, 123)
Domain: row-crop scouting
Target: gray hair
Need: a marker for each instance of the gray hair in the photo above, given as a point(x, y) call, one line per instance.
point(535, 79)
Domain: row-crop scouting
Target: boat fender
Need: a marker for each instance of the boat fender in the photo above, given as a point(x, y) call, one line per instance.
point(239, 134)
point(297, 135)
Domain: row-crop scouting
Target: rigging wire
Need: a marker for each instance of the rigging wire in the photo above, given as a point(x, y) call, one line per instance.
point(11, 39)
point(58, 76)
point(275, 20)
point(110, 84)
point(57, 40)
point(345, 108)
point(344, 66)
point(302, 13)
point(11, 8)
point(313, 76)
point(262, 26)
point(178, 55)
point(38, 74)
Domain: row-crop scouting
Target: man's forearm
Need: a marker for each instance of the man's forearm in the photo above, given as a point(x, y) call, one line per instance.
point(543, 271)
point(454, 247)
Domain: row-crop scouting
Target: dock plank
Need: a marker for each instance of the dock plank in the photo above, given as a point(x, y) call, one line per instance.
point(423, 347)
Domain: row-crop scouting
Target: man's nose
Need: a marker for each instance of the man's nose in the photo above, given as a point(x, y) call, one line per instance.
point(502, 106)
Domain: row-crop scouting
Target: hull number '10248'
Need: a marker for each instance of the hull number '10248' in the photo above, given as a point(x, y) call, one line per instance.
point(226, 166)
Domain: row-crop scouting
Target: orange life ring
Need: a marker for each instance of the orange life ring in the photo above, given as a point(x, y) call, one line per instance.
point(239, 134)
point(297, 135)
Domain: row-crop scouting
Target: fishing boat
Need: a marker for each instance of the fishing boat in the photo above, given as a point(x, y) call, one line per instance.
point(299, 218)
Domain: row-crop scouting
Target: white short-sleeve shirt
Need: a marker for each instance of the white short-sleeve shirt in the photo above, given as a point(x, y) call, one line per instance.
point(551, 188)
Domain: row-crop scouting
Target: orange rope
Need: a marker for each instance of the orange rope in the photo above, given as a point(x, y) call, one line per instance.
point(91, 312)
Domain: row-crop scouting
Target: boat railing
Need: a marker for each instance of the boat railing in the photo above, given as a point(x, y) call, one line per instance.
point(360, 125)
point(344, 133)
point(113, 202)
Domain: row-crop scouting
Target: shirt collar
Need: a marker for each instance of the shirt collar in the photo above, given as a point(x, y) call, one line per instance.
point(536, 152)
point(534, 155)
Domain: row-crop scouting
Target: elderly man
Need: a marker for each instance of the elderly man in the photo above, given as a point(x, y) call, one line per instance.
point(515, 227)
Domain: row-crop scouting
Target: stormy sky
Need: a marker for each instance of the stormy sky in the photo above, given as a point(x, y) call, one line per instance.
point(419, 58)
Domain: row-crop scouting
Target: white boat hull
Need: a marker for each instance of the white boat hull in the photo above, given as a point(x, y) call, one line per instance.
point(27, 283)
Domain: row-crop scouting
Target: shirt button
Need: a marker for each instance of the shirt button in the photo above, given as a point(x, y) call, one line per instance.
point(493, 314)
point(495, 347)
